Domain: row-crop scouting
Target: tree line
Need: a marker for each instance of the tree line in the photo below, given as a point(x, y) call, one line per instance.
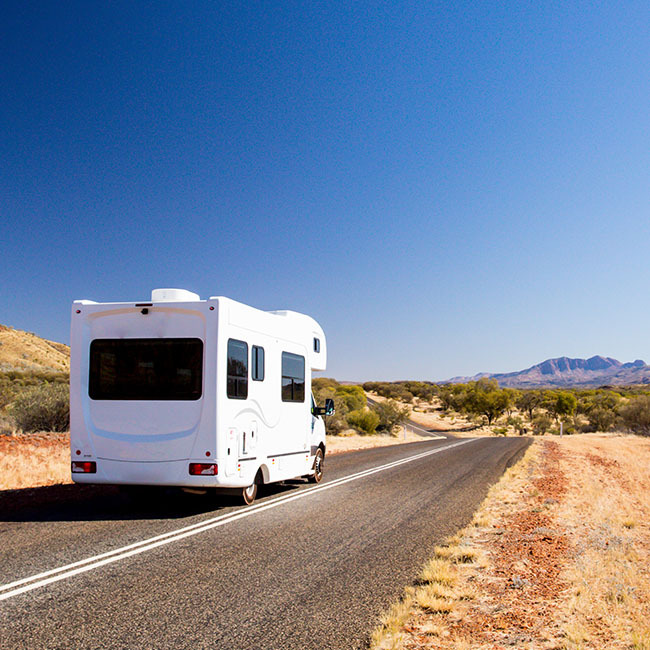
point(39, 401)
point(534, 411)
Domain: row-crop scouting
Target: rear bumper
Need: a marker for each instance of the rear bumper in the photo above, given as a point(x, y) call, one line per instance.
point(164, 473)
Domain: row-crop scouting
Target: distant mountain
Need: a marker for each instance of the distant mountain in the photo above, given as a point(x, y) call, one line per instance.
point(25, 351)
point(596, 371)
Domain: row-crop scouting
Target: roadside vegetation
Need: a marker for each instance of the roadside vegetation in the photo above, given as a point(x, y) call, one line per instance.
point(353, 415)
point(530, 411)
point(34, 400)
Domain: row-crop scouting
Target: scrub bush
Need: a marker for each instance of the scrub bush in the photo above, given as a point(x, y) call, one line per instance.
point(391, 415)
point(636, 415)
point(364, 420)
point(542, 423)
point(389, 390)
point(353, 396)
point(43, 408)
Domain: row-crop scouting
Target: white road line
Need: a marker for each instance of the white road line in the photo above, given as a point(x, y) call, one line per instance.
point(410, 425)
point(69, 570)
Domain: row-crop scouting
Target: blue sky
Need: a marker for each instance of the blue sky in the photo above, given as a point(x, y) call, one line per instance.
point(447, 188)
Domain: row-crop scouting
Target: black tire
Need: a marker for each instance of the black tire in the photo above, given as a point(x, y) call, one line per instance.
point(249, 493)
point(319, 462)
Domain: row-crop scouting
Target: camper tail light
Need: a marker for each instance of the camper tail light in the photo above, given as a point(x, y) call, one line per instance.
point(84, 467)
point(203, 469)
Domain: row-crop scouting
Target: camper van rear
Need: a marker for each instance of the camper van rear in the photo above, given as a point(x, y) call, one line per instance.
point(180, 391)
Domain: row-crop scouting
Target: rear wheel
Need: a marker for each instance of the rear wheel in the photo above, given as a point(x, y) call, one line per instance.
point(317, 476)
point(249, 493)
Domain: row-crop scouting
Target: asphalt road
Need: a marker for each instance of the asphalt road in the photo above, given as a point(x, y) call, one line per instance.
point(305, 567)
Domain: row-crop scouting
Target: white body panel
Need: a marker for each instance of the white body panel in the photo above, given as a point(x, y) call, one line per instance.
point(152, 442)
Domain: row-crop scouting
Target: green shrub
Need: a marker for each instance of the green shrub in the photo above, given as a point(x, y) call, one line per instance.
point(636, 415)
point(353, 396)
point(601, 418)
point(518, 424)
point(391, 415)
point(15, 382)
point(43, 408)
point(542, 423)
point(364, 420)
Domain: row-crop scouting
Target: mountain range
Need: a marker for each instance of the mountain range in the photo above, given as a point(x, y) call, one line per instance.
point(563, 371)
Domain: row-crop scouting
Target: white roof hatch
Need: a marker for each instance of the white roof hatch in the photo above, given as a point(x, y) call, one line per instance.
point(174, 295)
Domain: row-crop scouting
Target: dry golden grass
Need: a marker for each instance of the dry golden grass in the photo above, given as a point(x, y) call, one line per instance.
point(607, 512)
point(34, 460)
point(24, 350)
point(590, 591)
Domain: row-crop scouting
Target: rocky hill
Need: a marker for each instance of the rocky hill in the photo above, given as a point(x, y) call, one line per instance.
point(563, 371)
point(25, 351)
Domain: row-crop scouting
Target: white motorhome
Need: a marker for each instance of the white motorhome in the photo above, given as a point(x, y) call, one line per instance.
point(179, 391)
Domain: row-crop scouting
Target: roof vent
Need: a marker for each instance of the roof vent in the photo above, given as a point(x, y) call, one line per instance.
point(174, 295)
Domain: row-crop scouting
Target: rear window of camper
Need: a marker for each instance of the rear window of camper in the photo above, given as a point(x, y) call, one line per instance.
point(146, 369)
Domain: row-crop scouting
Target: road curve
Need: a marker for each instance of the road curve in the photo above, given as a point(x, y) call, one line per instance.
point(306, 568)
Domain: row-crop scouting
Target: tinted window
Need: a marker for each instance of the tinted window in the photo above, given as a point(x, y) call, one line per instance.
point(316, 344)
point(293, 377)
point(145, 369)
point(237, 369)
point(257, 363)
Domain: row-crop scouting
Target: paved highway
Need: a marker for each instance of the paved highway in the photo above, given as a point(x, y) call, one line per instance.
point(305, 567)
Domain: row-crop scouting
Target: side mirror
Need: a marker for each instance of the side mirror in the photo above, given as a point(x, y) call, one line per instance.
point(329, 406)
point(328, 409)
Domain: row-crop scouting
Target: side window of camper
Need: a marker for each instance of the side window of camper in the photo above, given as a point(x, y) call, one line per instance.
point(257, 363)
point(237, 369)
point(293, 377)
point(316, 344)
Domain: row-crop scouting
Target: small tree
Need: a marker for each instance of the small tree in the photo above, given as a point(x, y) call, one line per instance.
point(564, 404)
point(485, 398)
point(529, 400)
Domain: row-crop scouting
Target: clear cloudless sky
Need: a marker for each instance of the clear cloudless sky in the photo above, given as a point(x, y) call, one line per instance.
point(447, 187)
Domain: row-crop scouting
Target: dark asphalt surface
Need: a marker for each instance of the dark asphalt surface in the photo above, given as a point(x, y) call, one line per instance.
point(316, 572)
